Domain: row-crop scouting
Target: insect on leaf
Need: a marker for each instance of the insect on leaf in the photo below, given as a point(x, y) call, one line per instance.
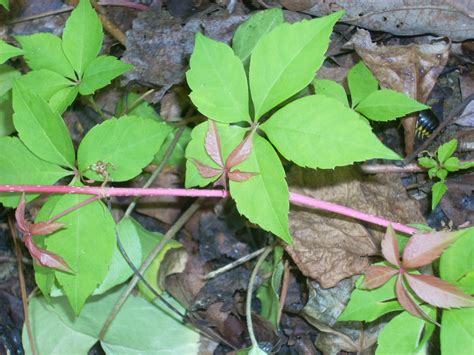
point(438, 292)
point(390, 249)
point(407, 302)
point(213, 144)
point(378, 275)
point(423, 249)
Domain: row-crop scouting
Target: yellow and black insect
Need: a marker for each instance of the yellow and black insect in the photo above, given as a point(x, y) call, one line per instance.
point(426, 123)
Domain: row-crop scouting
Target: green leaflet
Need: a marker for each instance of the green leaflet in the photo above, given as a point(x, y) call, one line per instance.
point(438, 190)
point(101, 71)
point(5, 4)
point(21, 167)
point(7, 52)
point(446, 150)
point(403, 334)
point(86, 244)
point(385, 105)
point(82, 37)
point(140, 327)
point(231, 136)
point(368, 305)
point(218, 81)
point(41, 129)
point(285, 60)
point(263, 199)
point(458, 260)
point(467, 283)
point(319, 132)
point(332, 89)
point(61, 100)
point(457, 332)
point(361, 83)
point(8, 75)
point(125, 146)
point(250, 32)
point(45, 51)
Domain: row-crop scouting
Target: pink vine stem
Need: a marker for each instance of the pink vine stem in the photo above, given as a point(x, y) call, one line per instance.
point(296, 199)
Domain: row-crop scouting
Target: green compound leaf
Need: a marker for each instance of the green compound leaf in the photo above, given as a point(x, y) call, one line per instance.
point(86, 244)
point(331, 89)
point(361, 83)
point(320, 132)
point(403, 334)
point(19, 166)
point(101, 71)
point(446, 150)
point(125, 145)
point(268, 187)
point(82, 37)
point(386, 105)
point(45, 51)
point(155, 330)
point(41, 129)
point(285, 60)
point(438, 190)
point(457, 332)
point(218, 81)
point(368, 305)
point(249, 33)
point(231, 136)
point(7, 51)
point(458, 260)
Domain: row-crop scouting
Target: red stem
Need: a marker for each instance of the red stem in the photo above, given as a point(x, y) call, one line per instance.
point(102, 192)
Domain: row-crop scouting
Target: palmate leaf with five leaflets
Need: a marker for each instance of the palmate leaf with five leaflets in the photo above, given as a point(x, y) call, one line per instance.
point(421, 250)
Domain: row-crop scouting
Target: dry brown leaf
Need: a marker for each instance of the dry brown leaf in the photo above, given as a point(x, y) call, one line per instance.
point(451, 18)
point(328, 247)
point(412, 69)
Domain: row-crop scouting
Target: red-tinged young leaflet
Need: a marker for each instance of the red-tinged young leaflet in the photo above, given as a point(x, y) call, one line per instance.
point(241, 152)
point(421, 250)
point(213, 144)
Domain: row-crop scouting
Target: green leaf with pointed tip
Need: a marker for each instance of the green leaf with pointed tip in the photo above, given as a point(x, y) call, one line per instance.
point(126, 145)
point(101, 71)
point(438, 190)
point(61, 100)
point(320, 132)
point(218, 81)
point(7, 51)
point(361, 83)
point(427, 162)
point(86, 244)
point(249, 33)
point(285, 60)
point(458, 259)
point(19, 166)
point(230, 136)
point(368, 305)
point(457, 332)
point(268, 187)
point(446, 150)
point(386, 105)
point(41, 129)
point(5, 4)
point(403, 334)
point(45, 51)
point(82, 37)
point(331, 89)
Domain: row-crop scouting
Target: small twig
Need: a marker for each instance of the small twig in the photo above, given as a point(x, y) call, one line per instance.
point(284, 290)
point(137, 102)
point(233, 264)
point(248, 303)
point(109, 26)
point(452, 117)
point(21, 278)
point(390, 168)
point(73, 208)
point(149, 259)
point(91, 102)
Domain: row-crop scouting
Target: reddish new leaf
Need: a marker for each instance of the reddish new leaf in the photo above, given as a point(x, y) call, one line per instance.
point(23, 224)
point(213, 144)
point(205, 170)
point(423, 249)
point(390, 249)
point(377, 275)
point(240, 176)
point(241, 152)
point(407, 302)
point(44, 257)
point(437, 292)
point(45, 228)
